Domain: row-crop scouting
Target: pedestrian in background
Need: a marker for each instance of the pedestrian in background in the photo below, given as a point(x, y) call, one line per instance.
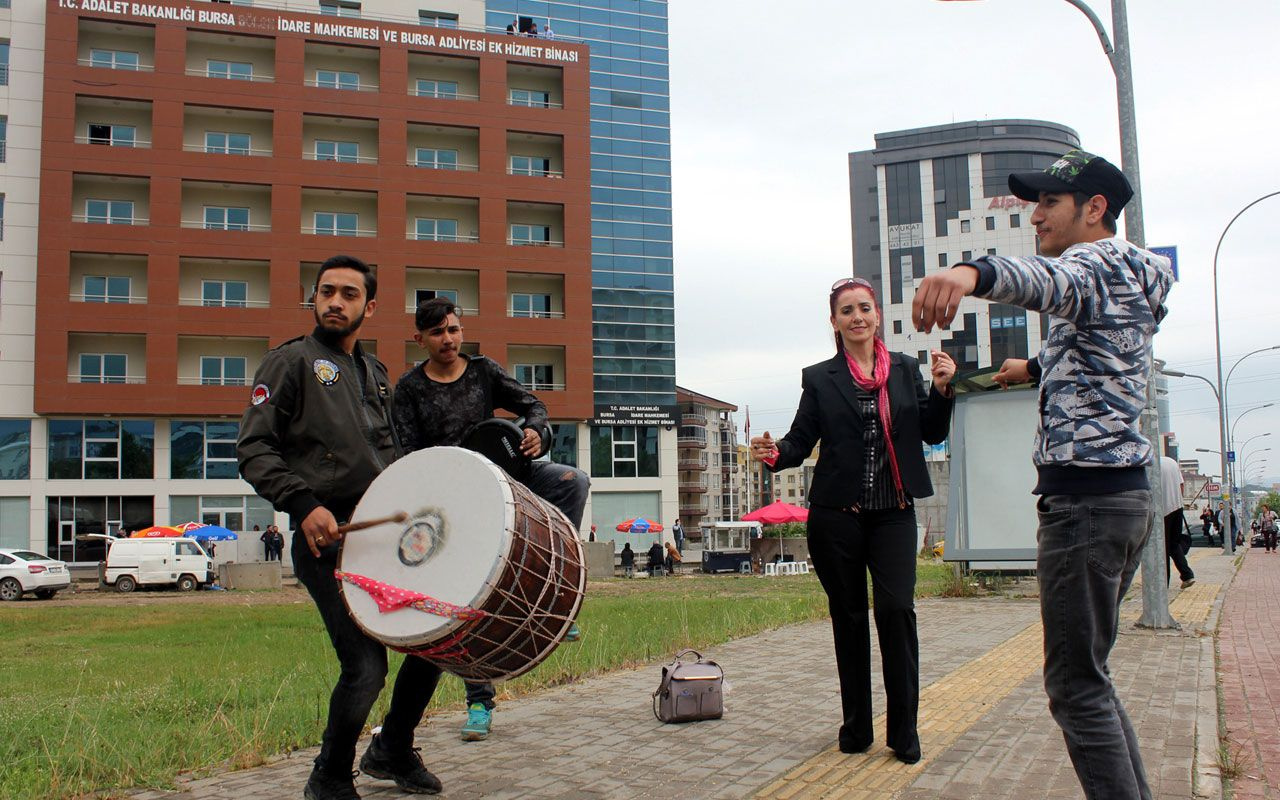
point(1104, 297)
point(870, 409)
point(1171, 486)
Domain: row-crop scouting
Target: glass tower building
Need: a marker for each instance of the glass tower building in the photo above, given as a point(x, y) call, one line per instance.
point(633, 312)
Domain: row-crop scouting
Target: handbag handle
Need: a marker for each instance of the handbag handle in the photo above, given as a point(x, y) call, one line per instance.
point(686, 652)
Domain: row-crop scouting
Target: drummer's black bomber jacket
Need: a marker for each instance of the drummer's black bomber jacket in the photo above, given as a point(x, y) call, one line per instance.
point(318, 427)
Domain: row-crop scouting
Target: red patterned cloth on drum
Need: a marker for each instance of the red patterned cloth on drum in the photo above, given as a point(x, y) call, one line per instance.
point(393, 598)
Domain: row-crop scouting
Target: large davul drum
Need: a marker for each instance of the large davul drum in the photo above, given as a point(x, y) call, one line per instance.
point(484, 578)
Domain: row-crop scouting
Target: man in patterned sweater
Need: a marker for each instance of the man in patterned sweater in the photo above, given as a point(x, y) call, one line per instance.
point(1105, 297)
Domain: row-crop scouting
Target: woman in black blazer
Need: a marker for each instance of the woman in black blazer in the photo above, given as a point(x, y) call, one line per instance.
point(860, 503)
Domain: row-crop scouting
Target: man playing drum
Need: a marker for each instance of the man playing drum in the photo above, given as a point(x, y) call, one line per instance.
point(318, 430)
point(440, 399)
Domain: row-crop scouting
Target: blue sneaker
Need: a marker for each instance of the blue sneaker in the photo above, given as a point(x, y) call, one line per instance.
point(479, 719)
point(574, 633)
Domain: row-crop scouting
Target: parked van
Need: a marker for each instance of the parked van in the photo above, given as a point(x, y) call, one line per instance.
point(157, 562)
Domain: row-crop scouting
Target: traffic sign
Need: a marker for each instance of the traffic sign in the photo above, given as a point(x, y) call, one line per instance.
point(1213, 487)
point(1170, 253)
point(1231, 456)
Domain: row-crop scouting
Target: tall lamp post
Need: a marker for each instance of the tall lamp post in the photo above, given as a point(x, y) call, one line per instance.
point(1155, 594)
point(1231, 439)
point(1228, 547)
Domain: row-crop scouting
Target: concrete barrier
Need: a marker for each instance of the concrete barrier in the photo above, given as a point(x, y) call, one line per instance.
point(250, 575)
point(599, 557)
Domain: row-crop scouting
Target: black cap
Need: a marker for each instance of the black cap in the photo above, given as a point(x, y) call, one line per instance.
point(1076, 171)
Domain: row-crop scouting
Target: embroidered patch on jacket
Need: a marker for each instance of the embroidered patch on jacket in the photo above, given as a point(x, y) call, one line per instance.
point(326, 371)
point(261, 394)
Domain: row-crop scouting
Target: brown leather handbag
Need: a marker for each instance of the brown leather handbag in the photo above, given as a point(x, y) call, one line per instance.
point(689, 690)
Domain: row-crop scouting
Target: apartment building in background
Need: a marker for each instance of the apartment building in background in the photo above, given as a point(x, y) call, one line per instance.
point(710, 482)
point(190, 164)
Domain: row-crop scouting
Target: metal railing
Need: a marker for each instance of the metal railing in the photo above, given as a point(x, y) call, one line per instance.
point(359, 87)
point(140, 143)
point(443, 237)
point(439, 95)
point(534, 243)
point(363, 233)
point(200, 301)
point(511, 312)
point(312, 155)
point(530, 103)
point(76, 377)
point(251, 78)
point(198, 381)
point(251, 227)
point(226, 151)
point(693, 419)
point(536, 173)
point(544, 387)
point(413, 162)
point(95, 219)
point(133, 299)
point(466, 312)
point(89, 62)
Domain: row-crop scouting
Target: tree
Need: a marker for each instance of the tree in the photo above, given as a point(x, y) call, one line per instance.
point(1271, 501)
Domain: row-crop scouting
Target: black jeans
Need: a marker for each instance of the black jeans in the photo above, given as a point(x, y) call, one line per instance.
point(844, 546)
point(1173, 548)
point(364, 668)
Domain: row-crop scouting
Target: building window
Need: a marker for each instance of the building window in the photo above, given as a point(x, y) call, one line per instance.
point(530, 165)
point(230, 70)
point(113, 135)
point(1, 217)
point(333, 223)
point(109, 59)
point(991, 251)
point(101, 449)
point(107, 288)
point(4, 138)
point(348, 152)
point(624, 451)
point(103, 368)
point(1015, 220)
point(436, 230)
point(965, 226)
point(535, 377)
point(942, 261)
point(70, 518)
point(966, 256)
point(236, 144)
point(4, 62)
point(109, 212)
point(530, 305)
point(991, 223)
point(337, 79)
point(564, 444)
point(438, 19)
point(530, 97)
point(199, 450)
point(433, 158)
point(222, 370)
point(897, 326)
point(443, 89)
point(340, 8)
point(530, 234)
point(423, 295)
point(225, 218)
point(15, 449)
point(224, 294)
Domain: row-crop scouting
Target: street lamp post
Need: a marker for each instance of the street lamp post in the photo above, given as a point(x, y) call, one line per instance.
point(1231, 438)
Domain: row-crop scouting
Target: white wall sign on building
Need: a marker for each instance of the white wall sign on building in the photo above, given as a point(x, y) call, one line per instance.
point(909, 235)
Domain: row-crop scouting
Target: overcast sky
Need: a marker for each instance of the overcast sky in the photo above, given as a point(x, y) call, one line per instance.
point(768, 99)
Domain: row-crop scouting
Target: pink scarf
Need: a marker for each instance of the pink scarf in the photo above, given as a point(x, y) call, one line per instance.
point(879, 383)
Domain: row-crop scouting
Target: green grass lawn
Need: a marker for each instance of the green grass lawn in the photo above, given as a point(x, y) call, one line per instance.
point(100, 697)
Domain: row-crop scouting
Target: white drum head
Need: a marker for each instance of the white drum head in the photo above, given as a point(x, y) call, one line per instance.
point(453, 547)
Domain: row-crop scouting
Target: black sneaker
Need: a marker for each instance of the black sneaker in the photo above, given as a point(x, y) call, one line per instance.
point(407, 770)
point(323, 786)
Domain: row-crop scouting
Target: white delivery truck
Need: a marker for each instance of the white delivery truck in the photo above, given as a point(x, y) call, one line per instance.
point(157, 562)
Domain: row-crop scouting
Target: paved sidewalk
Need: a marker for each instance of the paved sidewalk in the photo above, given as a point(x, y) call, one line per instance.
point(985, 726)
point(1249, 659)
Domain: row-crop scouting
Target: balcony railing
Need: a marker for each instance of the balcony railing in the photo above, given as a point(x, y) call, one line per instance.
point(81, 297)
point(253, 78)
point(226, 151)
point(75, 377)
point(534, 243)
point(693, 419)
point(312, 155)
point(443, 237)
point(413, 92)
point(226, 226)
point(466, 312)
point(413, 162)
point(188, 380)
point(200, 301)
point(89, 62)
point(359, 87)
point(544, 387)
point(511, 312)
point(96, 219)
point(140, 143)
point(536, 173)
point(531, 103)
point(693, 487)
point(363, 233)
point(691, 463)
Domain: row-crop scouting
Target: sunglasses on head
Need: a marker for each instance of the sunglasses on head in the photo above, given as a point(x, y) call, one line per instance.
point(847, 282)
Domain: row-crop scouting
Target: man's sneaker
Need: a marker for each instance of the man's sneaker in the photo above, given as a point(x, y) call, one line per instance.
point(574, 633)
point(1188, 582)
point(406, 769)
point(479, 718)
point(323, 786)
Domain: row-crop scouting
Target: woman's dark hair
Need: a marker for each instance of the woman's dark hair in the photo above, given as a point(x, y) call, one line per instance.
point(350, 262)
point(843, 285)
point(432, 312)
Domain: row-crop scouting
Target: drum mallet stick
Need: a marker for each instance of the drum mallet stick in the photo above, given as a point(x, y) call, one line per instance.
point(399, 516)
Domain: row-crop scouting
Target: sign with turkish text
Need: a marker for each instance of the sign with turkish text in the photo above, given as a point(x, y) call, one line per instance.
point(634, 415)
point(1213, 488)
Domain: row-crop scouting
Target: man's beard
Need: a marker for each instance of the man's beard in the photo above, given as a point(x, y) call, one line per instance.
point(332, 336)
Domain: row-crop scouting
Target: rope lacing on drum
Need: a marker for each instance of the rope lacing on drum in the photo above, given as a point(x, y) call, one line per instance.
point(392, 598)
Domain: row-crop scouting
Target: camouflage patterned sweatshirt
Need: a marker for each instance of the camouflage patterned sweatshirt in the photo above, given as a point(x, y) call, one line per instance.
point(1105, 300)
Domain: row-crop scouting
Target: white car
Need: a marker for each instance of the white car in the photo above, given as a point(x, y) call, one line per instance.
point(23, 571)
